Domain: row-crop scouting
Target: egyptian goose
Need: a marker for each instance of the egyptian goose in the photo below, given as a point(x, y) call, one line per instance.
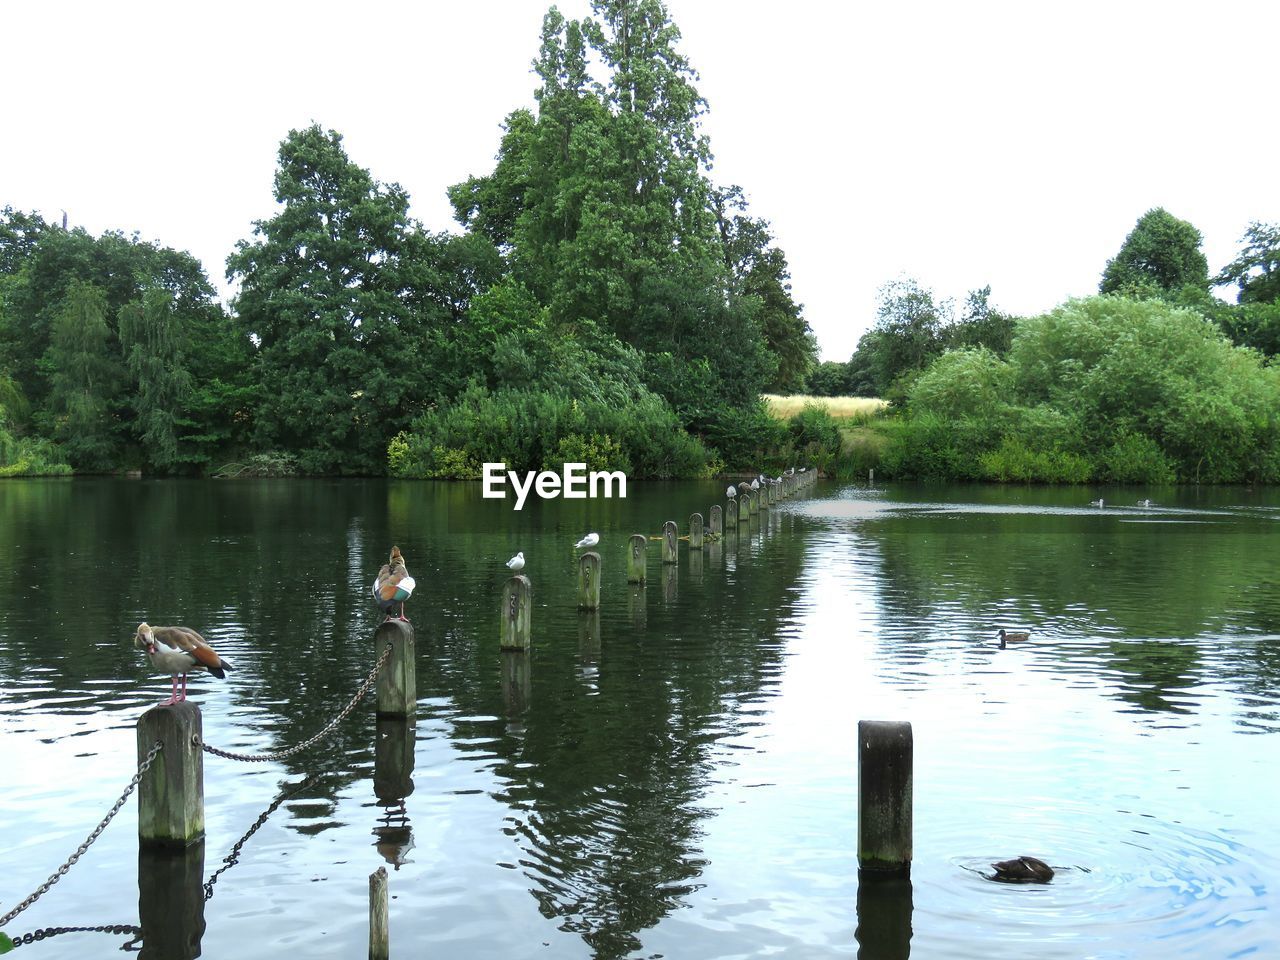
point(177, 651)
point(393, 585)
point(1013, 636)
point(1023, 870)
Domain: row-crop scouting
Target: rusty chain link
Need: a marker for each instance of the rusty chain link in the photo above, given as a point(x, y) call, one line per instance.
point(61, 872)
point(281, 754)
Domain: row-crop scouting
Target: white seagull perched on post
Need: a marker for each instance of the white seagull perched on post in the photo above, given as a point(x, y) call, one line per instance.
point(516, 563)
point(590, 540)
point(755, 484)
point(731, 492)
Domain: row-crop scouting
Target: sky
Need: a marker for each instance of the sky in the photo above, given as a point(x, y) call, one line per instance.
point(960, 143)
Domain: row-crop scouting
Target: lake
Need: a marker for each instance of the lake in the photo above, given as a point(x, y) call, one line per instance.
point(679, 777)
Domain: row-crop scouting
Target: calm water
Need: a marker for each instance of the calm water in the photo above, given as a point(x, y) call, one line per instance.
point(682, 782)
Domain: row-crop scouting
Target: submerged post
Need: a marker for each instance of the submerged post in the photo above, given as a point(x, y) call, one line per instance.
point(517, 606)
point(171, 792)
point(717, 521)
point(589, 581)
point(670, 542)
point(637, 554)
point(379, 928)
point(695, 532)
point(884, 797)
point(397, 681)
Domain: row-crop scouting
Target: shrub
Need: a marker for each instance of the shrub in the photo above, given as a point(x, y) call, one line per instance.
point(1134, 458)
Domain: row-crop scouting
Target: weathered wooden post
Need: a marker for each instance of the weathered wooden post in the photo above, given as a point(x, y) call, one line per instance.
point(871, 477)
point(397, 682)
point(171, 901)
point(171, 792)
point(695, 532)
point(717, 521)
point(884, 796)
point(516, 613)
point(379, 928)
point(731, 514)
point(670, 542)
point(637, 554)
point(744, 508)
point(589, 581)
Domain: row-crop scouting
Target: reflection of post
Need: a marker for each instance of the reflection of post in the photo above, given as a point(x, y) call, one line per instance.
point(589, 581)
point(171, 901)
point(884, 917)
point(715, 553)
point(695, 532)
point(670, 542)
point(636, 607)
point(589, 637)
point(669, 573)
point(517, 681)
point(379, 932)
point(393, 759)
point(637, 554)
point(717, 520)
point(884, 796)
point(171, 792)
point(517, 603)
point(397, 682)
point(695, 566)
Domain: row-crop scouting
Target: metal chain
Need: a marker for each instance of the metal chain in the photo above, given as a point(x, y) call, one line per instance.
point(281, 754)
point(232, 858)
point(62, 870)
point(47, 932)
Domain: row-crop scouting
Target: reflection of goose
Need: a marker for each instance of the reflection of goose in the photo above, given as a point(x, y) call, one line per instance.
point(1014, 636)
point(1096, 503)
point(1023, 870)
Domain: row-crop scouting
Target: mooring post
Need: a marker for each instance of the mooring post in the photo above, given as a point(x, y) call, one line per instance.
point(871, 477)
point(670, 542)
point(744, 508)
point(397, 681)
point(589, 581)
point(695, 532)
point(884, 796)
point(171, 792)
point(731, 514)
point(717, 521)
point(516, 613)
point(637, 555)
point(379, 928)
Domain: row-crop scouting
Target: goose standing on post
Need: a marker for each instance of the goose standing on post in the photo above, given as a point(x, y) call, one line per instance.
point(393, 585)
point(177, 651)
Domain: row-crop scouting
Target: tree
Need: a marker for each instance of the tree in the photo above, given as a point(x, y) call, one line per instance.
point(910, 332)
point(153, 340)
point(1257, 269)
point(84, 378)
point(1160, 256)
point(331, 293)
point(982, 325)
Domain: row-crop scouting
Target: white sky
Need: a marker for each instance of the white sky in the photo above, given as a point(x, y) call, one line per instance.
point(961, 143)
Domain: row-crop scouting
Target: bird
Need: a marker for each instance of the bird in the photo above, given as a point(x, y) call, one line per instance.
point(177, 651)
point(731, 492)
point(590, 540)
point(516, 563)
point(1013, 636)
point(755, 484)
point(393, 585)
point(1144, 503)
point(1096, 503)
point(1023, 870)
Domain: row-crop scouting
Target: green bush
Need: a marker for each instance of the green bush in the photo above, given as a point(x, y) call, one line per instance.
point(1134, 458)
point(1016, 462)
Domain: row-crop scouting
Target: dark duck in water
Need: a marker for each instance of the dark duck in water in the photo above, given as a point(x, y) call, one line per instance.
point(1023, 870)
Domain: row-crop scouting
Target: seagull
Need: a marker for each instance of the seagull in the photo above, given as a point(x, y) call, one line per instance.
point(393, 585)
point(1144, 503)
point(177, 651)
point(731, 492)
point(1096, 503)
point(590, 540)
point(516, 563)
point(755, 484)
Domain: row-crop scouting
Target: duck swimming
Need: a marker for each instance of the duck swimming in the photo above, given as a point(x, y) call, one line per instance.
point(1023, 870)
point(1013, 636)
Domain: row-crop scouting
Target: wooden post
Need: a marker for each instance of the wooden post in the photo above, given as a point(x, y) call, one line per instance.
point(884, 796)
point(695, 532)
point(762, 497)
point(171, 792)
point(637, 555)
point(871, 477)
point(589, 581)
point(744, 508)
point(397, 682)
point(379, 929)
point(731, 514)
point(670, 542)
point(717, 520)
point(516, 613)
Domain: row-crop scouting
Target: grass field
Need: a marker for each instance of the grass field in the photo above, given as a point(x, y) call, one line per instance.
point(842, 408)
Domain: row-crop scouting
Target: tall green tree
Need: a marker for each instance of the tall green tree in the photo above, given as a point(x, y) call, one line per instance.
point(153, 340)
point(1160, 256)
point(84, 379)
point(329, 292)
point(1257, 269)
